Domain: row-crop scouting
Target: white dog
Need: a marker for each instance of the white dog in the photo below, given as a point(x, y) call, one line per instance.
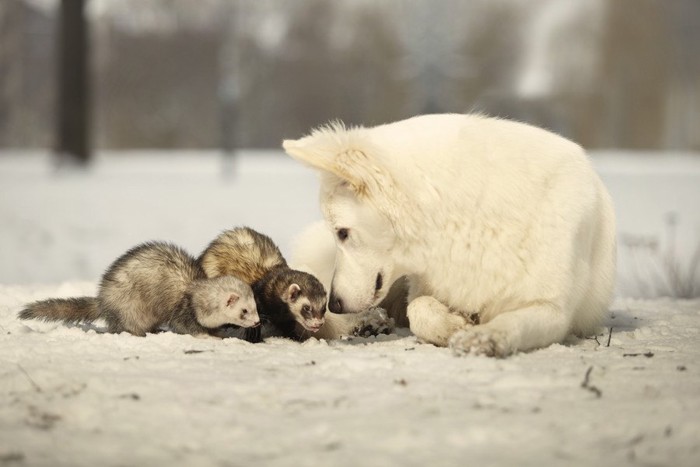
point(504, 231)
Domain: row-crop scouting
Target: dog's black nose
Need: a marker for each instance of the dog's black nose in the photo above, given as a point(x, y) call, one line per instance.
point(335, 304)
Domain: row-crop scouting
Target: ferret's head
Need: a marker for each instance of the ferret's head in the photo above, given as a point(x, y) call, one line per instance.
point(305, 297)
point(224, 300)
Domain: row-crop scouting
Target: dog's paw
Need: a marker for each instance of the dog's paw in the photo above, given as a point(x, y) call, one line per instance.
point(477, 341)
point(373, 322)
point(432, 322)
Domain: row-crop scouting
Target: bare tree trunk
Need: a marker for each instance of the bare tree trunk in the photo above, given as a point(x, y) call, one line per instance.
point(73, 145)
point(229, 89)
point(636, 59)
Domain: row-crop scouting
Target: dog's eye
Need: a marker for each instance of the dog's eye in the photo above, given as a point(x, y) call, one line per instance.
point(342, 234)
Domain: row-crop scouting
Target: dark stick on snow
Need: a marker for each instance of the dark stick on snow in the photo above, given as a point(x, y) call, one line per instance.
point(609, 337)
point(37, 388)
point(586, 384)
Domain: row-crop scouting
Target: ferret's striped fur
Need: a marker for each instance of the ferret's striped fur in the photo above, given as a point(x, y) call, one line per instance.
point(291, 303)
point(152, 285)
point(241, 252)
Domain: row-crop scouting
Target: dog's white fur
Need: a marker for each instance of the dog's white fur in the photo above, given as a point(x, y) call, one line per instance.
point(486, 217)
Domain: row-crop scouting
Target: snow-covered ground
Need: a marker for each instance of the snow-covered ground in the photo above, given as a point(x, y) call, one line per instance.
point(76, 396)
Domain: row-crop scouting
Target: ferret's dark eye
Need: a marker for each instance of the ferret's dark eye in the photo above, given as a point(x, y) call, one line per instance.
point(244, 312)
point(342, 234)
point(305, 309)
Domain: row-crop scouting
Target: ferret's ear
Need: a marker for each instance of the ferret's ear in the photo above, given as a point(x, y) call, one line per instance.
point(232, 299)
point(292, 293)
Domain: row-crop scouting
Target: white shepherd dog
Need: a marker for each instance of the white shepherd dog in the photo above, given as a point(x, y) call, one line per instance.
point(504, 231)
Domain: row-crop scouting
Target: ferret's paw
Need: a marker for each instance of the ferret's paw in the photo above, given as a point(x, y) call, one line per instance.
point(373, 322)
point(476, 341)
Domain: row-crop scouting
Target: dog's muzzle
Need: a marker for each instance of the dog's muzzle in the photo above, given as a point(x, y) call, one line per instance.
point(335, 304)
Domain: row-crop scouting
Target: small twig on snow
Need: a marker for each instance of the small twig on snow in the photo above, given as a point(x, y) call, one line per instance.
point(37, 388)
point(586, 384)
point(609, 337)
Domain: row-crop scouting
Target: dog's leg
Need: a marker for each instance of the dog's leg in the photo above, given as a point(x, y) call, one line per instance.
point(523, 329)
point(432, 321)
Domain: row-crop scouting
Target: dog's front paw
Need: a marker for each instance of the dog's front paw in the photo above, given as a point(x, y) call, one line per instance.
point(476, 341)
point(373, 322)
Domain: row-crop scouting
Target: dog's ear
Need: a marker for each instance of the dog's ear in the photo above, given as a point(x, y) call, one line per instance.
point(311, 152)
point(333, 166)
point(339, 152)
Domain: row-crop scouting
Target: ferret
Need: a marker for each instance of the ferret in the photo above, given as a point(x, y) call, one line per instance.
point(152, 285)
point(290, 302)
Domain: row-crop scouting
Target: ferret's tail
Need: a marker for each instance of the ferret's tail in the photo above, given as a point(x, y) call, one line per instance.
point(69, 310)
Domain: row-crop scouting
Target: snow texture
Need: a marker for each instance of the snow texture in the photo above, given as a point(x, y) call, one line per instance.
point(73, 395)
point(77, 396)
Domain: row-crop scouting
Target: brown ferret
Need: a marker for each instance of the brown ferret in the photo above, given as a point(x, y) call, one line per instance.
point(291, 303)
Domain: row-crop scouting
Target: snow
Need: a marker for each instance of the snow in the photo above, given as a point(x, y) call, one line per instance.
point(77, 396)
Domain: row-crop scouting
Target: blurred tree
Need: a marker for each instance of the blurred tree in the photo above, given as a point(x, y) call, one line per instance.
point(27, 80)
point(9, 75)
point(159, 88)
point(490, 46)
point(172, 73)
point(301, 64)
point(73, 144)
point(635, 74)
point(683, 110)
point(433, 60)
point(157, 74)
